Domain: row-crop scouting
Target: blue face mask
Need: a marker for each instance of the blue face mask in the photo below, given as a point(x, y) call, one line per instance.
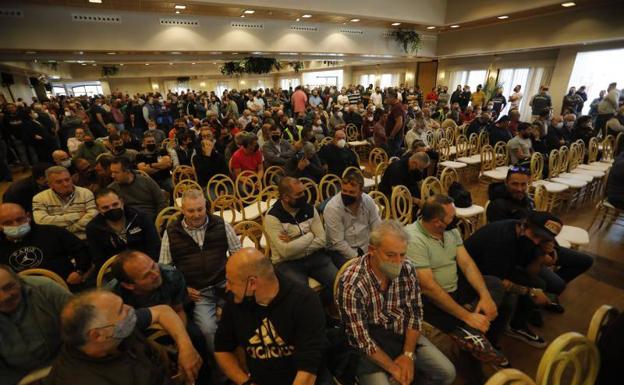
point(124, 328)
point(17, 232)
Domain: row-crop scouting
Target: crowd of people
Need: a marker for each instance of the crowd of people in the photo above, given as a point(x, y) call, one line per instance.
point(100, 172)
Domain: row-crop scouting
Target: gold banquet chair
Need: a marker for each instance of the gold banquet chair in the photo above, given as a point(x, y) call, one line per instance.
point(601, 318)
point(571, 354)
point(510, 377)
point(44, 273)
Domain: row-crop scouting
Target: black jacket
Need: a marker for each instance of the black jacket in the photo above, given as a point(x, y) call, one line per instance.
point(398, 173)
point(140, 235)
point(22, 193)
point(504, 206)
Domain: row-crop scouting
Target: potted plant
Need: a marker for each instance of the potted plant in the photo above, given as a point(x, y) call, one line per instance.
point(408, 39)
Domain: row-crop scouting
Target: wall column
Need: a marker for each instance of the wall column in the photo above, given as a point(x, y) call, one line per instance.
point(561, 76)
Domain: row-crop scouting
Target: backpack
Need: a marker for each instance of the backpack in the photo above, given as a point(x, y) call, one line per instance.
point(460, 195)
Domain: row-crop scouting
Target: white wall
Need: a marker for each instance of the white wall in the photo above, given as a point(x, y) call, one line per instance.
point(20, 89)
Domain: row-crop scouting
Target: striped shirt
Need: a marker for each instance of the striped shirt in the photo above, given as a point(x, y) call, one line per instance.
point(198, 235)
point(72, 213)
point(362, 304)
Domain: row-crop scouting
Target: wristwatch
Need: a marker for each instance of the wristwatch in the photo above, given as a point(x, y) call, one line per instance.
point(410, 355)
point(533, 292)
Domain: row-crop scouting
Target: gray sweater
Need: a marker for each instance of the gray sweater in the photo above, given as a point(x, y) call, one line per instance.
point(143, 194)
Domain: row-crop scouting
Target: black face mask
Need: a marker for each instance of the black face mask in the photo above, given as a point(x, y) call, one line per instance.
point(348, 199)
point(150, 147)
point(312, 139)
point(113, 215)
point(276, 138)
point(528, 249)
point(299, 202)
point(89, 144)
point(452, 225)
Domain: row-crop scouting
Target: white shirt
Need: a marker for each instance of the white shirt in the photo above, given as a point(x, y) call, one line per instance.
point(376, 99)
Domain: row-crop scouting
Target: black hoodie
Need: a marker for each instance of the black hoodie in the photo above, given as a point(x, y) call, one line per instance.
point(504, 206)
point(280, 339)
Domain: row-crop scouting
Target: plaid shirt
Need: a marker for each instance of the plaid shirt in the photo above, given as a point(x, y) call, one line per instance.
point(361, 303)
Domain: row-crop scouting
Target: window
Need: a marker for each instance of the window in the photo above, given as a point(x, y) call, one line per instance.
point(595, 70)
point(287, 83)
point(323, 78)
point(388, 80)
point(59, 91)
point(471, 78)
point(510, 78)
point(221, 86)
point(365, 80)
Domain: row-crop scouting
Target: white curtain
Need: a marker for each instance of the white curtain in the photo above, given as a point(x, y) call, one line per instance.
point(455, 78)
point(537, 77)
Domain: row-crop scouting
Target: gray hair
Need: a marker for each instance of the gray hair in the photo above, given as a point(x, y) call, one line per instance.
point(422, 158)
point(192, 194)
point(77, 317)
point(55, 170)
point(388, 227)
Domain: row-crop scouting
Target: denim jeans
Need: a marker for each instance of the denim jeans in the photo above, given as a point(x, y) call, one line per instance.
point(25, 152)
point(317, 265)
point(5, 172)
point(571, 264)
point(394, 145)
point(205, 313)
point(431, 366)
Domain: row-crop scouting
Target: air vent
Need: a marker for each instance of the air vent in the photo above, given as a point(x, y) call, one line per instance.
point(11, 12)
point(238, 24)
point(304, 28)
point(387, 34)
point(96, 18)
point(182, 22)
point(352, 31)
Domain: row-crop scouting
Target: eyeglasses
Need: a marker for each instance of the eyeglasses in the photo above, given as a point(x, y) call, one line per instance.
point(518, 170)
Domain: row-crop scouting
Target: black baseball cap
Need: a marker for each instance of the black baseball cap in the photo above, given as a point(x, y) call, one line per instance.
point(544, 224)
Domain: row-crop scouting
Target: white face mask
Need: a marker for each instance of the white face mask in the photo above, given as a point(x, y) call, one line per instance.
point(67, 113)
point(559, 125)
point(370, 118)
point(341, 143)
point(339, 114)
point(66, 163)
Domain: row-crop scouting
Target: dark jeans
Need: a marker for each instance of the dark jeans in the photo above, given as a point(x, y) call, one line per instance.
point(394, 145)
point(465, 294)
point(570, 264)
point(318, 265)
point(522, 305)
point(5, 172)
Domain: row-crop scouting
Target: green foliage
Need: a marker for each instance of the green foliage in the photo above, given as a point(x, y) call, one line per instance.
point(250, 65)
point(296, 65)
point(109, 71)
point(408, 39)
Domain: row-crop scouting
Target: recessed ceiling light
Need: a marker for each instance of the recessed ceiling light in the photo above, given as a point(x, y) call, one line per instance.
point(297, 19)
point(121, 64)
point(431, 27)
point(83, 64)
point(177, 12)
point(30, 52)
point(192, 63)
point(234, 53)
point(94, 64)
point(455, 26)
point(249, 11)
point(568, 4)
point(354, 20)
point(243, 16)
point(395, 24)
point(170, 64)
point(180, 6)
point(503, 17)
point(306, 16)
point(95, 1)
point(176, 53)
point(146, 64)
point(111, 53)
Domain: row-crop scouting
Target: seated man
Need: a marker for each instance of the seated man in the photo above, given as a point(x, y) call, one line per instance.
point(336, 155)
point(85, 175)
point(279, 324)
point(248, 157)
point(74, 142)
point(277, 151)
point(155, 162)
point(103, 343)
point(33, 304)
point(197, 244)
point(138, 191)
point(510, 251)
point(64, 204)
point(119, 149)
point(350, 216)
point(22, 191)
point(378, 300)
point(510, 200)
point(615, 183)
point(61, 158)
point(90, 149)
point(437, 251)
point(297, 237)
point(407, 172)
point(520, 148)
point(305, 163)
point(117, 228)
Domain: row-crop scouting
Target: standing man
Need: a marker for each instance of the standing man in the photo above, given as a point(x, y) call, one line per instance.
point(540, 102)
point(395, 123)
point(378, 300)
point(299, 99)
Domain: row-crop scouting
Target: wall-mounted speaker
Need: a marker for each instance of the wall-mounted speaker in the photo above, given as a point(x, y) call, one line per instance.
point(7, 79)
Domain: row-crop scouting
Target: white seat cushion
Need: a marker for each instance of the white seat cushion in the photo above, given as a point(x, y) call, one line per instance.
point(600, 165)
point(607, 160)
point(363, 168)
point(594, 173)
point(368, 183)
point(569, 175)
point(563, 242)
point(247, 242)
point(574, 235)
point(502, 169)
point(251, 212)
point(495, 174)
point(453, 150)
point(466, 212)
point(551, 187)
point(574, 183)
point(469, 160)
point(358, 143)
point(230, 216)
point(451, 164)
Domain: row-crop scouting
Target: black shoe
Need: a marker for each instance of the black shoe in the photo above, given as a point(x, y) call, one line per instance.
point(535, 318)
point(554, 307)
point(527, 336)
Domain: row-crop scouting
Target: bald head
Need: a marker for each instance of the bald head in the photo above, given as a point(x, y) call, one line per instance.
point(250, 261)
point(12, 214)
point(59, 156)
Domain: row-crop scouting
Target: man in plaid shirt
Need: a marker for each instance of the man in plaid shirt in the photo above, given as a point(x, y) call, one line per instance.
point(378, 298)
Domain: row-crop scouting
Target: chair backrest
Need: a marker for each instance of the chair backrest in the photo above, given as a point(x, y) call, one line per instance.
point(488, 161)
point(619, 142)
point(377, 156)
point(570, 353)
point(501, 154)
point(430, 187)
point(329, 186)
point(444, 149)
point(340, 273)
point(539, 197)
point(105, 269)
point(185, 185)
point(461, 146)
point(448, 176)
point(248, 184)
point(45, 273)
point(592, 154)
point(401, 204)
point(166, 216)
point(473, 144)
point(601, 318)
point(311, 190)
point(510, 376)
point(466, 227)
point(484, 138)
point(219, 184)
point(36, 376)
point(272, 175)
point(573, 156)
point(255, 233)
point(382, 203)
point(608, 147)
point(537, 166)
point(353, 133)
point(326, 140)
point(182, 173)
point(168, 143)
point(581, 150)
point(349, 169)
point(564, 151)
point(430, 139)
point(379, 171)
point(449, 134)
point(553, 163)
point(228, 207)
